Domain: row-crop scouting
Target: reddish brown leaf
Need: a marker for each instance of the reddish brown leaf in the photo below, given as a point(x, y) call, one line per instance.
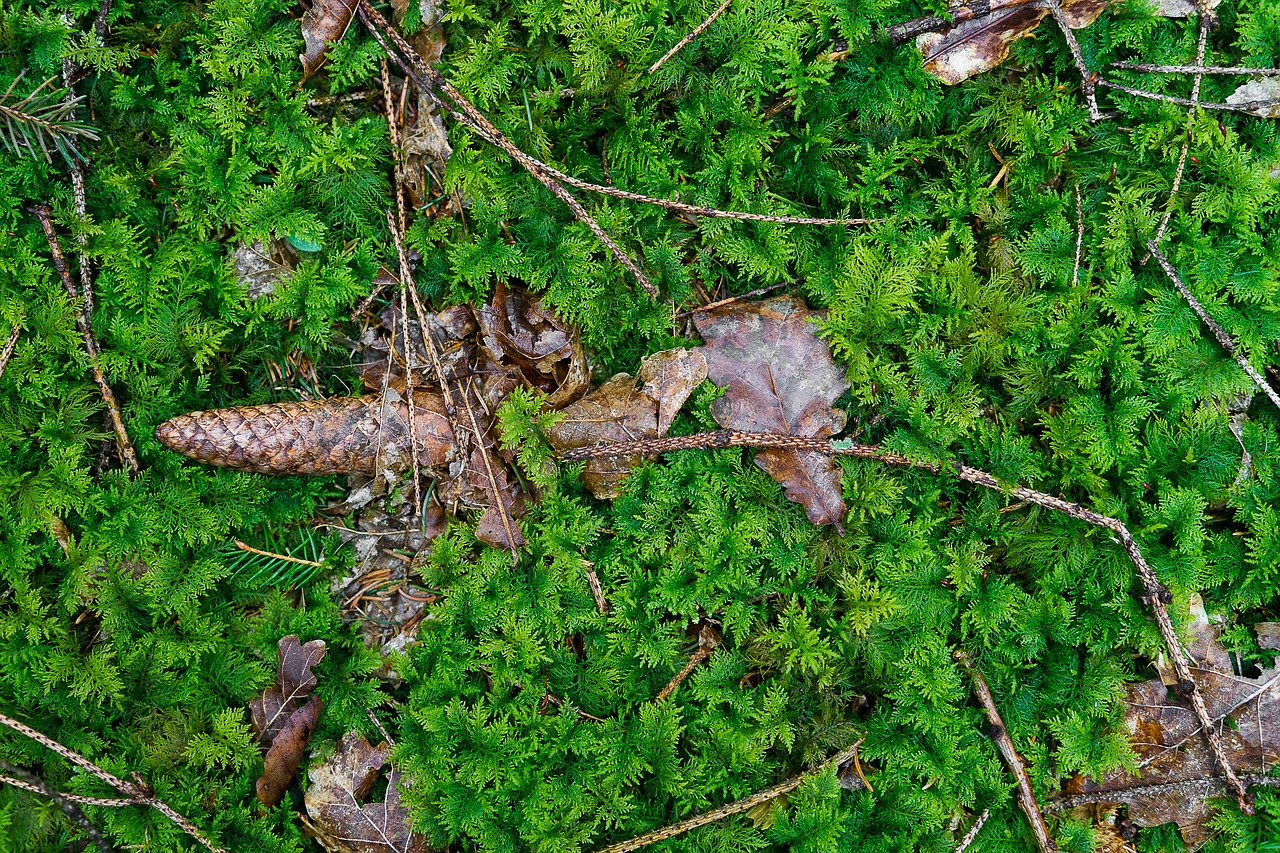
point(294, 683)
point(780, 379)
point(343, 435)
point(983, 34)
point(517, 331)
point(620, 411)
point(285, 754)
point(326, 21)
point(1177, 769)
point(343, 823)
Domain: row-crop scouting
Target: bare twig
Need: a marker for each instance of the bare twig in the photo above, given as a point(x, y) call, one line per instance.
point(724, 811)
point(1088, 79)
point(72, 809)
point(708, 640)
point(252, 550)
point(597, 591)
point(1242, 107)
point(1151, 68)
point(9, 345)
point(1075, 270)
point(1218, 332)
point(973, 831)
point(752, 295)
point(1026, 797)
point(127, 454)
point(697, 31)
point(1189, 789)
point(138, 794)
point(1155, 593)
point(107, 802)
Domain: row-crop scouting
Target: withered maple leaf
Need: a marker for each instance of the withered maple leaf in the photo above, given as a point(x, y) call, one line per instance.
point(781, 379)
point(983, 32)
point(1177, 768)
point(343, 823)
point(282, 723)
point(627, 408)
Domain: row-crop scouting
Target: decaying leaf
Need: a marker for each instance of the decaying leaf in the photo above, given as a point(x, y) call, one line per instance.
point(781, 379)
point(259, 268)
point(345, 824)
point(282, 727)
point(983, 33)
point(1266, 89)
point(1177, 768)
point(516, 330)
point(326, 21)
point(342, 435)
point(294, 683)
point(424, 140)
point(620, 411)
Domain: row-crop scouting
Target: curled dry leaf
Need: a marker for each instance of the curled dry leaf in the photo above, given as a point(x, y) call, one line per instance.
point(325, 21)
point(424, 140)
point(282, 727)
point(342, 435)
point(628, 408)
point(342, 821)
point(1177, 769)
point(781, 379)
point(983, 33)
point(517, 331)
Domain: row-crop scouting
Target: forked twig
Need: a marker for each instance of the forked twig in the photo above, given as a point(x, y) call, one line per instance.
point(1155, 593)
point(745, 804)
point(127, 454)
point(1026, 797)
point(1088, 79)
point(697, 31)
point(137, 794)
point(70, 807)
point(1218, 332)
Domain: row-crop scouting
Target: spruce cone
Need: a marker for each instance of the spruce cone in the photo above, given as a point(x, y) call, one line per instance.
point(342, 435)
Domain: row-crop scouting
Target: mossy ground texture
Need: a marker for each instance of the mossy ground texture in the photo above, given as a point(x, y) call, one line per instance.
point(130, 633)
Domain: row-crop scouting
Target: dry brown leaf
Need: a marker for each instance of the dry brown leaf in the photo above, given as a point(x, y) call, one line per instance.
point(983, 34)
point(294, 683)
point(285, 754)
point(1177, 768)
point(781, 379)
point(326, 21)
point(345, 824)
point(424, 140)
point(518, 332)
point(620, 411)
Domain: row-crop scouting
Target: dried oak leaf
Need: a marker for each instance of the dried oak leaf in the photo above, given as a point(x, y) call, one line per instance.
point(517, 331)
point(1177, 768)
point(341, 821)
point(781, 379)
point(342, 435)
point(983, 33)
point(325, 21)
point(282, 727)
point(628, 408)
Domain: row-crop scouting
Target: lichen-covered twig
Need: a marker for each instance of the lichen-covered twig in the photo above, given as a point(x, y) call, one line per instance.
point(10, 344)
point(973, 831)
point(697, 31)
point(728, 810)
point(1155, 593)
point(1218, 332)
point(1152, 68)
point(1026, 797)
point(1187, 789)
point(138, 794)
point(127, 454)
point(70, 807)
point(1242, 107)
point(1088, 79)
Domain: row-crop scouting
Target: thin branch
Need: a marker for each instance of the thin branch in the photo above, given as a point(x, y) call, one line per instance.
point(1243, 107)
point(1088, 79)
point(138, 794)
point(1026, 797)
point(597, 591)
point(1189, 789)
point(252, 550)
point(1155, 593)
point(127, 454)
point(1218, 332)
point(1075, 269)
point(707, 643)
point(72, 810)
point(108, 802)
point(753, 294)
point(697, 31)
point(1151, 68)
point(733, 808)
point(9, 346)
point(973, 831)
